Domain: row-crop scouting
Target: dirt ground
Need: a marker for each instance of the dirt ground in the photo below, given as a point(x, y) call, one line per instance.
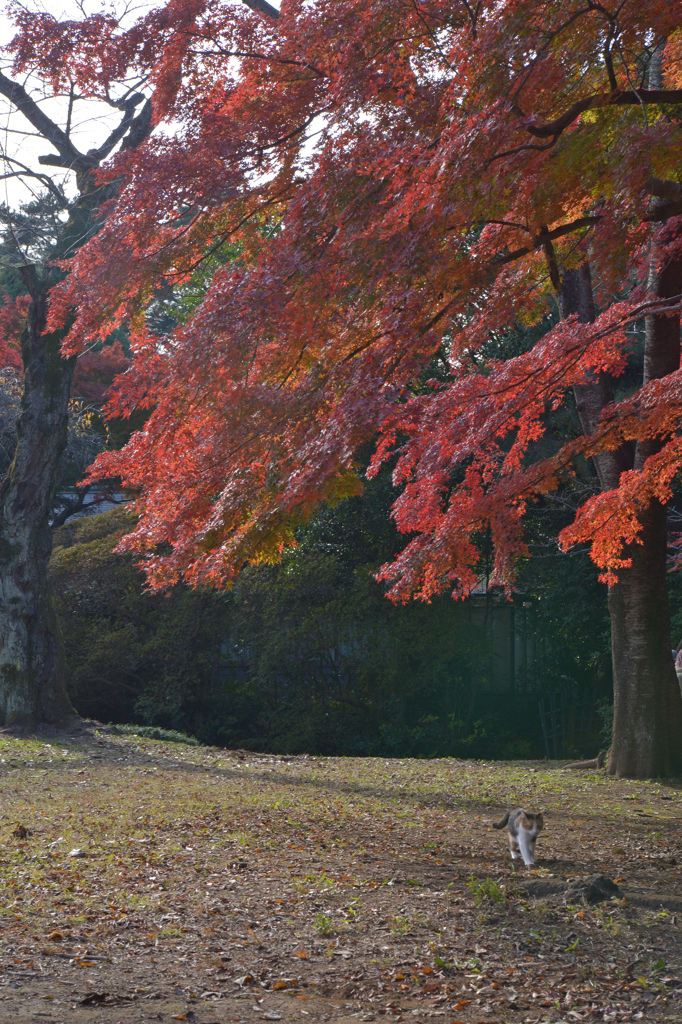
point(145, 881)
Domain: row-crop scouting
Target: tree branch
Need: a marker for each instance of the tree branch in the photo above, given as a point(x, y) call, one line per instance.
point(545, 237)
point(94, 157)
point(52, 133)
point(272, 58)
point(69, 508)
point(625, 97)
point(140, 127)
point(550, 256)
point(127, 120)
point(26, 172)
point(262, 7)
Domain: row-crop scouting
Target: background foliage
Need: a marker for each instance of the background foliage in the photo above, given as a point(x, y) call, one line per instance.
point(308, 655)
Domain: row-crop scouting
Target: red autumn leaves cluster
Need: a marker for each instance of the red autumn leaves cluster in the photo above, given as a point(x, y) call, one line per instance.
point(401, 181)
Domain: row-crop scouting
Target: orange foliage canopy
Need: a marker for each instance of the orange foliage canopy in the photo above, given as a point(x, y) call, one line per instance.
point(402, 180)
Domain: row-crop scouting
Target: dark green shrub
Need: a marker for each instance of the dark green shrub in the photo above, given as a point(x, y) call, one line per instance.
point(131, 655)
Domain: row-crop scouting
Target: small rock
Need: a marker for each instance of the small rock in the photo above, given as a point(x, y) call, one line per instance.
point(77, 852)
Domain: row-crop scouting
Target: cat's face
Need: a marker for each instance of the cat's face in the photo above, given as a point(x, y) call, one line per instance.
point(528, 820)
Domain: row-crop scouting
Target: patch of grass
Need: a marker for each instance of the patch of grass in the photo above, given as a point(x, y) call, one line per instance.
point(313, 882)
point(350, 912)
point(242, 838)
point(487, 890)
point(400, 925)
point(323, 925)
point(154, 732)
point(441, 965)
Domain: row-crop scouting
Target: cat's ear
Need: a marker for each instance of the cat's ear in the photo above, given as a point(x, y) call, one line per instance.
point(540, 819)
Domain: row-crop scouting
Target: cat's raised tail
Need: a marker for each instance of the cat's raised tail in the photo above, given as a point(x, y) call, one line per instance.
point(501, 824)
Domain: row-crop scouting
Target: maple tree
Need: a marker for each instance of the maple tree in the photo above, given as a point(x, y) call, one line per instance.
point(401, 180)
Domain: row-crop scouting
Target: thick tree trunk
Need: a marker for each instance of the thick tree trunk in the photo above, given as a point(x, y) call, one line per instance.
point(647, 718)
point(647, 723)
point(32, 686)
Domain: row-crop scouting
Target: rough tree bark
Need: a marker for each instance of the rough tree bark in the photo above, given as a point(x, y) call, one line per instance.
point(647, 721)
point(647, 717)
point(32, 687)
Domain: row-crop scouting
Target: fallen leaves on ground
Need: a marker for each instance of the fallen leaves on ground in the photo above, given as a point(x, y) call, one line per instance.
point(156, 881)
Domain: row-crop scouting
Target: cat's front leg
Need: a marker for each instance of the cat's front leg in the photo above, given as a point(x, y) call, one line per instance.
point(527, 848)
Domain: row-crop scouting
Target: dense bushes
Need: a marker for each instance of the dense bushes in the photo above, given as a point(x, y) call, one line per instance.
point(130, 655)
point(308, 654)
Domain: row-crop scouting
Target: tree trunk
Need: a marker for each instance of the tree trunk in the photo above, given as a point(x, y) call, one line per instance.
point(592, 397)
point(647, 713)
point(32, 687)
point(31, 680)
point(647, 721)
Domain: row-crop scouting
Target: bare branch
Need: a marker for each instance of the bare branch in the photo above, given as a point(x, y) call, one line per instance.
point(115, 137)
point(51, 132)
point(140, 127)
point(69, 112)
point(25, 171)
point(263, 7)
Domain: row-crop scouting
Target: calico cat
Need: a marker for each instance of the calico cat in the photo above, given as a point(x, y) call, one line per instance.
point(523, 828)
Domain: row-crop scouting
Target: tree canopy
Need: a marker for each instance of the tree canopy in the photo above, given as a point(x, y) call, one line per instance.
point(403, 180)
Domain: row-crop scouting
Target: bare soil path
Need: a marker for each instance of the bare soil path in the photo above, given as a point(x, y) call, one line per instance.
point(146, 881)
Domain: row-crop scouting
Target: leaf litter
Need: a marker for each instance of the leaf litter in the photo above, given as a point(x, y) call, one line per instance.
point(144, 880)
